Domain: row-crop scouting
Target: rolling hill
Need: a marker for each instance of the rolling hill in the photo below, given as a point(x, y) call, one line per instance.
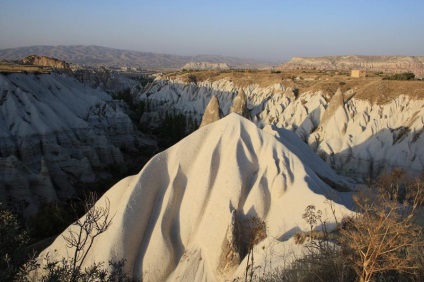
point(97, 55)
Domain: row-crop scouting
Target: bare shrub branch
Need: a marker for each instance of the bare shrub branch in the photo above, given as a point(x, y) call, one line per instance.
point(82, 233)
point(379, 238)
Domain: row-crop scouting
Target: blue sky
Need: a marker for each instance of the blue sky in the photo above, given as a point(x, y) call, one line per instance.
point(266, 29)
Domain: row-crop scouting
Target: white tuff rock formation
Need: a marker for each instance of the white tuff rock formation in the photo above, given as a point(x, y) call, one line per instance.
point(240, 105)
point(212, 112)
point(180, 218)
point(55, 130)
point(354, 136)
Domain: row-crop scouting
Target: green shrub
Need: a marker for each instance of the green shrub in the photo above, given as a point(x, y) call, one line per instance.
point(13, 239)
point(192, 78)
point(401, 76)
point(173, 129)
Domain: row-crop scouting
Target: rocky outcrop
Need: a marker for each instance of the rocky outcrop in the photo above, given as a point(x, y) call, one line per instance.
point(240, 105)
point(395, 64)
point(212, 112)
point(205, 66)
point(47, 62)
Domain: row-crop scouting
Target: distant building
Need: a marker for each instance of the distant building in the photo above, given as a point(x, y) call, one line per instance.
point(358, 73)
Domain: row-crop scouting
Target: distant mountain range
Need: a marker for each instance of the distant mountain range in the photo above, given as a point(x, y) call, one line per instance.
point(97, 55)
point(393, 64)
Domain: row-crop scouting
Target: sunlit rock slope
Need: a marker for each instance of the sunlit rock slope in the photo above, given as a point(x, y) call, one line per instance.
point(359, 137)
point(184, 216)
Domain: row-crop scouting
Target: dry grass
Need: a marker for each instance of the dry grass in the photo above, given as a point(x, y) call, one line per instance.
point(382, 91)
point(372, 88)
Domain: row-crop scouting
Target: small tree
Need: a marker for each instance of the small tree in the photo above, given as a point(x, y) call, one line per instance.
point(379, 238)
point(311, 217)
point(192, 78)
point(79, 239)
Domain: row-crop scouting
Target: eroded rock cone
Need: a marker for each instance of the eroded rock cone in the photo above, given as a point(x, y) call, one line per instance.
point(334, 121)
point(335, 103)
point(230, 256)
point(240, 105)
point(212, 112)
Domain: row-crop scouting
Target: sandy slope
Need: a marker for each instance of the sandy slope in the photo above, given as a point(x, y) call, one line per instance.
point(175, 220)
